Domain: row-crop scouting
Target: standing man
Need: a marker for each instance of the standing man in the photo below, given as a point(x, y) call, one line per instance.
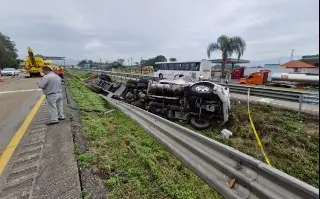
point(51, 87)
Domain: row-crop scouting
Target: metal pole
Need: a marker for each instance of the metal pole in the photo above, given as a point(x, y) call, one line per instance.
point(300, 104)
point(141, 66)
point(248, 96)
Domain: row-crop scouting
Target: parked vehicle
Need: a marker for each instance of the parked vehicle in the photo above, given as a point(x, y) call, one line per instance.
point(33, 64)
point(9, 72)
point(296, 77)
point(195, 69)
point(257, 78)
point(59, 70)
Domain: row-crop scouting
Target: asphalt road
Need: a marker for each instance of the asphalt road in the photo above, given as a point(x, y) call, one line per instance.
point(17, 97)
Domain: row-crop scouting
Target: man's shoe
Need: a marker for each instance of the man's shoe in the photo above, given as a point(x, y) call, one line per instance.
point(61, 118)
point(52, 122)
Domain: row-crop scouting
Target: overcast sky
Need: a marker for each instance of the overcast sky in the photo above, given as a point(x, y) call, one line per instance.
point(183, 29)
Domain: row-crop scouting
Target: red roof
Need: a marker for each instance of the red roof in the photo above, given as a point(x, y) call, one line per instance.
point(297, 64)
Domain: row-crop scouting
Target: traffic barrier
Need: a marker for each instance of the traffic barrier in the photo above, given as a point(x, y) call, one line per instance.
point(230, 172)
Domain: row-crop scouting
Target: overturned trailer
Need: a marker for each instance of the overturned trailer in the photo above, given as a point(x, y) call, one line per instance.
point(197, 103)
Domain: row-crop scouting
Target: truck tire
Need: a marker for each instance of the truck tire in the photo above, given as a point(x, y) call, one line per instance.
point(160, 76)
point(199, 124)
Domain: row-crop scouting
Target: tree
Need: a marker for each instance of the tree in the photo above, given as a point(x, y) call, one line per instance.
point(116, 64)
point(172, 59)
point(8, 52)
point(120, 61)
point(227, 46)
point(152, 61)
point(82, 63)
point(160, 58)
point(90, 62)
point(147, 62)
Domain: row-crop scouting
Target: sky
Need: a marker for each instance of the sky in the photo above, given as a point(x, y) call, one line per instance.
point(121, 29)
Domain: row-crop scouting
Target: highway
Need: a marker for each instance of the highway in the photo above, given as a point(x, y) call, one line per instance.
point(17, 97)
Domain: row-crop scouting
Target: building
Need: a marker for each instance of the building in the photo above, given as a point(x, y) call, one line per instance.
point(307, 64)
point(311, 59)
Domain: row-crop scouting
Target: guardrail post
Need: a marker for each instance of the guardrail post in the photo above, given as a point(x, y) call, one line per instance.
point(300, 104)
point(248, 92)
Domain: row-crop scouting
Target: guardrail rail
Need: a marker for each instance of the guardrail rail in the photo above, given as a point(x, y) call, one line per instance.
point(217, 164)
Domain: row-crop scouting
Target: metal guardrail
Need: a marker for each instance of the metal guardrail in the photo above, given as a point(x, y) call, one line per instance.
point(217, 164)
point(295, 96)
point(277, 94)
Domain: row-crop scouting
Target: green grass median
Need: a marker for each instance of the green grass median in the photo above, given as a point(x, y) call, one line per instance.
point(134, 165)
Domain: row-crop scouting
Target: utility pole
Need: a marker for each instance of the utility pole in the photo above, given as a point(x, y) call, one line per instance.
point(141, 66)
point(131, 62)
point(291, 57)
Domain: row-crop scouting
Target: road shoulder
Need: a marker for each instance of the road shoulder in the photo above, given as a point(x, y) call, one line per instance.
point(43, 164)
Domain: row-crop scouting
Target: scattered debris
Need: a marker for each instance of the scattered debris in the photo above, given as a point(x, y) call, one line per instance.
point(225, 134)
point(110, 111)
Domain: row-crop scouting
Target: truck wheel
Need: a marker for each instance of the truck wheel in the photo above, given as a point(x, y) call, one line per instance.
point(199, 124)
point(160, 76)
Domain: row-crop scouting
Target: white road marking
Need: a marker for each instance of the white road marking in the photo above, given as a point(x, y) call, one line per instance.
point(267, 100)
point(18, 91)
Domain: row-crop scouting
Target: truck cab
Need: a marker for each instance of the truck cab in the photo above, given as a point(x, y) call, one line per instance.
point(257, 78)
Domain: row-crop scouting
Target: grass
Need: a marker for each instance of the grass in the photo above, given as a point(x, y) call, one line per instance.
point(292, 144)
point(131, 162)
point(79, 73)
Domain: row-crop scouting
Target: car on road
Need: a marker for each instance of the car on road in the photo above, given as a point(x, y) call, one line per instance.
point(9, 72)
point(18, 71)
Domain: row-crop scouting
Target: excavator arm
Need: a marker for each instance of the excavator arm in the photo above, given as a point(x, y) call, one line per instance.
point(33, 64)
point(32, 59)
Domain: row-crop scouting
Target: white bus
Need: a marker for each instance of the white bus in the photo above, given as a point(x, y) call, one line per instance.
point(194, 69)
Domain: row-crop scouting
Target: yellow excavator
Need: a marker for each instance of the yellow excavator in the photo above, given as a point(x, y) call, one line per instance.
point(33, 65)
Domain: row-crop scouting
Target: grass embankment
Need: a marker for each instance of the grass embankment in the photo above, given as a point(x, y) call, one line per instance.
point(79, 73)
point(291, 144)
point(133, 164)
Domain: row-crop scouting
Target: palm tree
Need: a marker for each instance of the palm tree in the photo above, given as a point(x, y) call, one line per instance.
point(227, 46)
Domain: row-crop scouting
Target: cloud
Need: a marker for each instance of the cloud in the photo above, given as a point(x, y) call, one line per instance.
point(111, 30)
